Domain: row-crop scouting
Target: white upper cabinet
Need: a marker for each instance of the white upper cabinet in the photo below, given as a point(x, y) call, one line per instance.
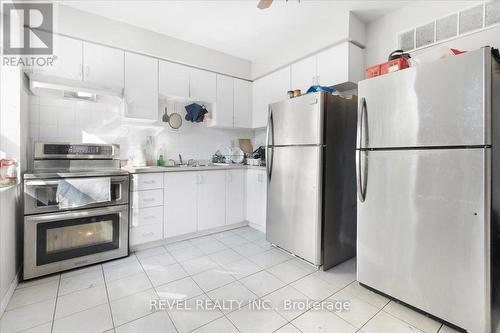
point(233, 107)
point(259, 103)
point(332, 65)
point(341, 64)
point(211, 199)
point(235, 196)
point(303, 74)
point(103, 65)
point(278, 85)
point(68, 62)
point(224, 106)
point(242, 104)
point(203, 85)
point(141, 87)
point(174, 79)
point(266, 90)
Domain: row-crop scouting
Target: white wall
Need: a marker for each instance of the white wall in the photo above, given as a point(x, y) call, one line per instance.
point(382, 34)
point(87, 26)
point(56, 119)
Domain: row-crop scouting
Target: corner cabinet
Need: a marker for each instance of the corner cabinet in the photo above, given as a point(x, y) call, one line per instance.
point(267, 90)
point(341, 66)
point(141, 87)
point(256, 198)
point(303, 74)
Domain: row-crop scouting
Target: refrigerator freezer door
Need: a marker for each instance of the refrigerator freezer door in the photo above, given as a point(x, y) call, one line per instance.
point(444, 103)
point(423, 231)
point(294, 201)
point(297, 121)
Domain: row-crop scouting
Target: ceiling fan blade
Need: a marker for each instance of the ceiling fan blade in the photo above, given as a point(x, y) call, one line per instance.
point(263, 4)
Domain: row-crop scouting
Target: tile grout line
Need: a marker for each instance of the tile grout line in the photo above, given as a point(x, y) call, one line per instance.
point(107, 296)
point(55, 304)
point(204, 293)
point(235, 280)
point(371, 318)
point(154, 288)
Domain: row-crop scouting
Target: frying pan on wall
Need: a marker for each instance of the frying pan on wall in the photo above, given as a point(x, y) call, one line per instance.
point(174, 119)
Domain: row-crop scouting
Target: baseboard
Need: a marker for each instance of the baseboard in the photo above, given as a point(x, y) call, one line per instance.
point(187, 236)
point(257, 226)
point(8, 295)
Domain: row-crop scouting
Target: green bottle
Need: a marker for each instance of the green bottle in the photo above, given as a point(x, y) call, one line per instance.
point(160, 161)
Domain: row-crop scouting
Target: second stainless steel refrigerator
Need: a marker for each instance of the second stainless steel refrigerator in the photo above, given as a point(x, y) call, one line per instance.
point(428, 180)
point(311, 200)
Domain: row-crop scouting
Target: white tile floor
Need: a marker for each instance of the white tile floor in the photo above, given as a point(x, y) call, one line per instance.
point(237, 265)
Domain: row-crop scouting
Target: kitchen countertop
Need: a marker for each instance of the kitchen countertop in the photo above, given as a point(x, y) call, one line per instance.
point(152, 169)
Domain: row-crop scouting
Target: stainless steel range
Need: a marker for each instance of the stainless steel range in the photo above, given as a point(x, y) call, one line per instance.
point(75, 207)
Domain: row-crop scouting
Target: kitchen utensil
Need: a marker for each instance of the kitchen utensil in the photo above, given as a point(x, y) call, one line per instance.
point(174, 119)
point(237, 155)
point(246, 146)
point(253, 161)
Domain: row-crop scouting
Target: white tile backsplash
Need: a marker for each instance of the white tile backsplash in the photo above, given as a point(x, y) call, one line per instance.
point(64, 120)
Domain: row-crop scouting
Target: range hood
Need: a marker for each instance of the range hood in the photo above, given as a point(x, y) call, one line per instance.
point(45, 85)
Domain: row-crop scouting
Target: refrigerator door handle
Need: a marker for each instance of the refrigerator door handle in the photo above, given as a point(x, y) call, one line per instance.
point(361, 175)
point(361, 133)
point(270, 144)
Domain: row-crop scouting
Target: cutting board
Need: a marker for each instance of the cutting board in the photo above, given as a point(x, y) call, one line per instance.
point(246, 146)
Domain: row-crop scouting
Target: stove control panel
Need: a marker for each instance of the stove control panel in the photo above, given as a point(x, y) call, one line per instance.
point(72, 151)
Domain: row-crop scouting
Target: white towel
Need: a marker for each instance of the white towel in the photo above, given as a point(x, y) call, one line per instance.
point(78, 192)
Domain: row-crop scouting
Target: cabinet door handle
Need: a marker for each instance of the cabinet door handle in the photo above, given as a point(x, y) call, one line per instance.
point(87, 71)
point(148, 234)
point(148, 199)
point(149, 182)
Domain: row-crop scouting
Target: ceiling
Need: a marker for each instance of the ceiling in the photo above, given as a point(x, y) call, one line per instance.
point(237, 27)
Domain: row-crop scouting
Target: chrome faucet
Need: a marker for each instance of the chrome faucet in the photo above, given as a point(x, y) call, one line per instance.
point(180, 159)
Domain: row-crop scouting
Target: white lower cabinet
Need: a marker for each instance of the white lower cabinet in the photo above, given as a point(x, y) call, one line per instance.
point(211, 199)
point(180, 203)
point(146, 208)
point(190, 201)
point(147, 198)
point(235, 196)
point(146, 234)
point(146, 216)
point(256, 200)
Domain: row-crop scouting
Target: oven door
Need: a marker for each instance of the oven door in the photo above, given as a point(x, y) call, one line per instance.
point(40, 195)
point(60, 241)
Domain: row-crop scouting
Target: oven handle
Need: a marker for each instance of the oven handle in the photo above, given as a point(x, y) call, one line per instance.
point(77, 214)
point(39, 182)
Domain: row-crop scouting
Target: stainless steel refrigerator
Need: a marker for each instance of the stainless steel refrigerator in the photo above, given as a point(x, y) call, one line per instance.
point(428, 153)
point(311, 198)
